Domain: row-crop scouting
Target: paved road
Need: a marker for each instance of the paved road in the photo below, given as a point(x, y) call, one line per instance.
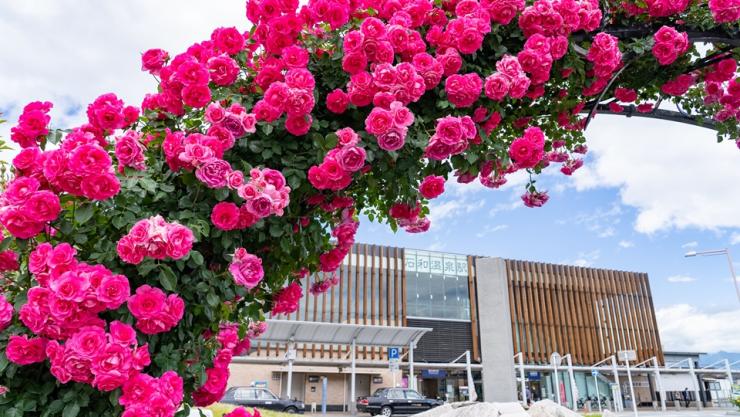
point(692, 412)
point(717, 412)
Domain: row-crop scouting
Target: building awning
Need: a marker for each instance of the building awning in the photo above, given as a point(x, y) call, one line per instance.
point(285, 331)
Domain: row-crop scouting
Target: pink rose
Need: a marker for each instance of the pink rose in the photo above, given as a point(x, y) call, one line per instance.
point(196, 95)
point(122, 333)
point(298, 125)
point(463, 90)
point(351, 158)
point(225, 216)
point(337, 101)
point(497, 86)
point(432, 186)
point(379, 121)
point(113, 291)
point(100, 187)
point(24, 351)
point(179, 241)
point(213, 173)
point(223, 69)
point(6, 313)
point(153, 60)
point(393, 139)
point(246, 268)
point(147, 302)
point(215, 113)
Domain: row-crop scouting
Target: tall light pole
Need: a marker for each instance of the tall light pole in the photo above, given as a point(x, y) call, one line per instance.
point(716, 252)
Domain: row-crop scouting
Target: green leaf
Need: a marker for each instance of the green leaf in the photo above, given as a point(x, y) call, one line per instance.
point(276, 230)
point(14, 412)
point(71, 410)
point(196, 257)
point(167, 278)
point(212, 299)
point(84, 213)
point(5, 243)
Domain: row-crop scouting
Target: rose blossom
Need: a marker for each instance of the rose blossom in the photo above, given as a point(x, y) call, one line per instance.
point(246, 268)
point(432, 186)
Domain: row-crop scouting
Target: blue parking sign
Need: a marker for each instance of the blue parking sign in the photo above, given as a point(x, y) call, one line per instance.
point(394, 353)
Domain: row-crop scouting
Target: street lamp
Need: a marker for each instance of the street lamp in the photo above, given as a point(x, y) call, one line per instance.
point(716, 252)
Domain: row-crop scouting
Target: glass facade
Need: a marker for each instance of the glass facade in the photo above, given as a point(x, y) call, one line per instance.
point(437, 285)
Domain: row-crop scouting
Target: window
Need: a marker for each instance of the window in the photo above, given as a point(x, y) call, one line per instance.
point(276, 376)
point(395, 394)
point(244, 394)
point(413, 395)
point(265, 395)
point(437, 285)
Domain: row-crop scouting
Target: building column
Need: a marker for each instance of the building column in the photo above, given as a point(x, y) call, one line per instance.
point(496, 340)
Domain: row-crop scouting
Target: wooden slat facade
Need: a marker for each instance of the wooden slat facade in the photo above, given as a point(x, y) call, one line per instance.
point(371, 291)
point(589, 313)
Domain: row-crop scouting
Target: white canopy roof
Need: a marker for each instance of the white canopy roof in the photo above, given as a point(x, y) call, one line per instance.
point(284, 331)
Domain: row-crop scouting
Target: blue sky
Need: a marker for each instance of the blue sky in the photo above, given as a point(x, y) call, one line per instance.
point(649, 191)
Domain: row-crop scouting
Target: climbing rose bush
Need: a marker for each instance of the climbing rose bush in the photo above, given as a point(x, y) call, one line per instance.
point(143, 249)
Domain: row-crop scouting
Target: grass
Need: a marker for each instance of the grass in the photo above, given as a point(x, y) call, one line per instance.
point(219, 410)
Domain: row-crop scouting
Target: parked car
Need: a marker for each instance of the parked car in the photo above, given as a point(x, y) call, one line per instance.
point(389, 401)
point(261, 398)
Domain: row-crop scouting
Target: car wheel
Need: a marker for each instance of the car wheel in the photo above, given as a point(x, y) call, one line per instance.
point(291, 410)
point(386, 411)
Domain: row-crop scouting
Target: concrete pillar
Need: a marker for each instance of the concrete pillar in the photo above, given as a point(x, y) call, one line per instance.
point(494, 319)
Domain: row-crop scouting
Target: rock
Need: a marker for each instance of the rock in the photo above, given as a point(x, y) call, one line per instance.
point(608, 413)
point(548, 408)
point(476, 409)
point(437, 411)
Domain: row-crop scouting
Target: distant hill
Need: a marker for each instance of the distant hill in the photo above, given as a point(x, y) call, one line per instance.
point(710, 358)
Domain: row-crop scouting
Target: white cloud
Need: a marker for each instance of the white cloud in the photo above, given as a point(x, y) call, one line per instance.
point(675, 175)
point(601, 221)
point(85, 49)
point(488, 229)
point(690, 245)
point(687, 328)
point(680, 278)
point(584, 259)
point(626, 244)
point(735, 238)
point(440, 211)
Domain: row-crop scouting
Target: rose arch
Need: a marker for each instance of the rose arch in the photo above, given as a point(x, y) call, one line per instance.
point(143, 249)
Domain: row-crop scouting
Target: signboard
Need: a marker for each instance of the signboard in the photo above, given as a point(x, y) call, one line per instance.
point(435, 263)
point(627, 355)
point(377, 380)
point(394, 354)
point(534, 376)
point(433, 373)
point(393, 366)
point(313, 378)
point(259, 384)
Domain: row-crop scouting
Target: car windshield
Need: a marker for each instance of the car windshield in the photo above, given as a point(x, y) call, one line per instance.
point(413, 395)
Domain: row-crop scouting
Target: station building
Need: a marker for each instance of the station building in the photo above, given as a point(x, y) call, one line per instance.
point(475, 326)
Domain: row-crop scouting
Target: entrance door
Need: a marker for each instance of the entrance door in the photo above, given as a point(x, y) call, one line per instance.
point(429, 388)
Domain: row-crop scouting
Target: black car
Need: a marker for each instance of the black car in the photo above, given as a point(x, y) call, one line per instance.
point(261, 398)
point(389, 401)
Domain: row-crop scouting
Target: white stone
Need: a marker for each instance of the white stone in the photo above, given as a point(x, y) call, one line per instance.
point(548, 408)
point(608, 413)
